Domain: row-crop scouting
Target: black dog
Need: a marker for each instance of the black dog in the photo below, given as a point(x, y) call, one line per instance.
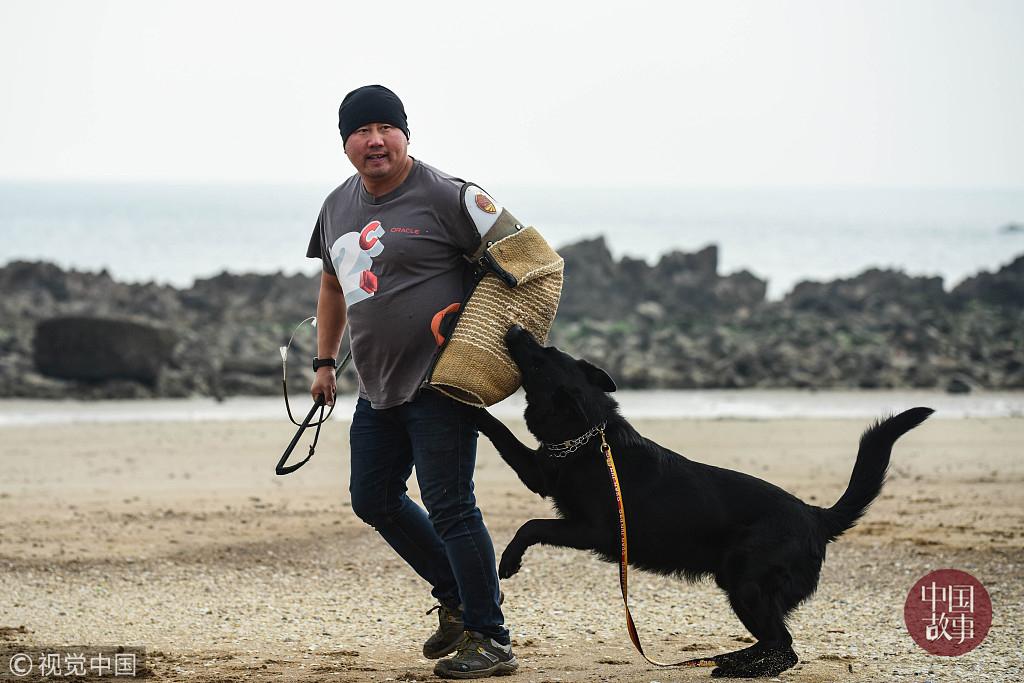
point(763, 546)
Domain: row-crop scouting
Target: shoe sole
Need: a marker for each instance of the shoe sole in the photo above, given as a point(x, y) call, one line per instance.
point(499, 669)
point(437, 654)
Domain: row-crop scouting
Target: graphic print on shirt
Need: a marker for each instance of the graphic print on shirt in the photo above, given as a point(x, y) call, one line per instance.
point(352, 255)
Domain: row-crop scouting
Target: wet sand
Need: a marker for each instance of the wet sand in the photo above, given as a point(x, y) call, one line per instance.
point(179, 537)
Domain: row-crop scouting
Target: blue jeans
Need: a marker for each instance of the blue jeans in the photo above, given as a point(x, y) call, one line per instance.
point(448, 545)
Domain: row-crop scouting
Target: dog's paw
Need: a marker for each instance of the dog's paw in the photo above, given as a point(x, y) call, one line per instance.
point(509, 565)
point(768, 665)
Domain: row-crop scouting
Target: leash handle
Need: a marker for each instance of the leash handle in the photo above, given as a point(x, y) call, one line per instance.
point(624, 566)
point(288, 469)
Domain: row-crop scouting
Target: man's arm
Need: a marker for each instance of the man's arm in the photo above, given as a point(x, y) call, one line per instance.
point(330, 325)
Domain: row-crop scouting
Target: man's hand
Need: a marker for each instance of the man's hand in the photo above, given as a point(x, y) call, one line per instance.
point(325, 384)
point(330, 317)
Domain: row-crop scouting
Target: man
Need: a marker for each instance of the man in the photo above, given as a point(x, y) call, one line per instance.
point(393, 240)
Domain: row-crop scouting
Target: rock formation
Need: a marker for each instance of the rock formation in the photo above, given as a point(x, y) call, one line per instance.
point(676, 324)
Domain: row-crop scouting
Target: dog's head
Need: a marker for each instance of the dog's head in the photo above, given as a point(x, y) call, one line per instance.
point(565, 397)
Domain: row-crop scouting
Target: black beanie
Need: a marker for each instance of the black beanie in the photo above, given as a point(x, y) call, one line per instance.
point(370, 104)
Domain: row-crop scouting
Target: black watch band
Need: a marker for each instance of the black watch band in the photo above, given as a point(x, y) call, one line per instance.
point(324, 362)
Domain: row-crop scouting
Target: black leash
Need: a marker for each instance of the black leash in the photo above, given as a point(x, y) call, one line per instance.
point(288, 469)
point(319, 404)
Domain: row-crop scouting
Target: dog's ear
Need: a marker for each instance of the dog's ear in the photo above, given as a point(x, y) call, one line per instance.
point(597, 376)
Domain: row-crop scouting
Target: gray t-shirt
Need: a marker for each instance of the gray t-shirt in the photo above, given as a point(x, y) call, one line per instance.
point(401, 259)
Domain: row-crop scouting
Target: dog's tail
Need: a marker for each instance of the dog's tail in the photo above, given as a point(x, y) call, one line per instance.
point(869, 470)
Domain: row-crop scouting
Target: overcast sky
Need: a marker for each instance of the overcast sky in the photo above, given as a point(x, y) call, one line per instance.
point(626, 93)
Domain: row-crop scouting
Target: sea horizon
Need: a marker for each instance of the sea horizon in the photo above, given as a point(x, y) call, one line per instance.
point(174, 233)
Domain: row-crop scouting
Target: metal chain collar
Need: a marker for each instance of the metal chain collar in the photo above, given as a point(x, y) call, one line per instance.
point(565, 448)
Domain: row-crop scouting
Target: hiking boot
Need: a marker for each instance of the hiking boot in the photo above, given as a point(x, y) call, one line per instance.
point(478, 656)
point(448, 634)
point(449, 630)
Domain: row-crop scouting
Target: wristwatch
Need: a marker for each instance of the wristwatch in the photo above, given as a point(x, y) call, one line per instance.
point(324, 362)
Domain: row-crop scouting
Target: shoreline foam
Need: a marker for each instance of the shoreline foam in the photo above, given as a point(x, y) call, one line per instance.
point(737, 404)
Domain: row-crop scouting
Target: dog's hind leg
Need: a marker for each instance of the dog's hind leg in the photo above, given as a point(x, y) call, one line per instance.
point(556, 532)
point(761, 613)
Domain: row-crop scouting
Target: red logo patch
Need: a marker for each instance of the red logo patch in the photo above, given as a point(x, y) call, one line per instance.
point(484, 203)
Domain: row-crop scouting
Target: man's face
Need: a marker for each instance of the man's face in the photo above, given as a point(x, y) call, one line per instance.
point(377, 150)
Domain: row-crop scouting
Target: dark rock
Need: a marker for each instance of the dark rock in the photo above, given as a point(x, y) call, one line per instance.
point(677, 324)
point(872, 290)
point(593, 275)
point(261, 366)
point(40, 277)
point(739, 290)
point(598, 287)
point(958, 385)
point(235, 383)
point(651, 311)
point(688, 270)
point(1004, 288)
point(101, 349)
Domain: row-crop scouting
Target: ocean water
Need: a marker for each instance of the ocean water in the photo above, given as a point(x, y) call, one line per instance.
point(175, 233)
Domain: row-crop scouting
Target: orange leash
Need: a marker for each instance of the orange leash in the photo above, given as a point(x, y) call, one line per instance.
point(624, 566)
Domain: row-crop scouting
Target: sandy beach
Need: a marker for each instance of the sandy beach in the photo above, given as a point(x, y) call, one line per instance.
point(178, 537)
